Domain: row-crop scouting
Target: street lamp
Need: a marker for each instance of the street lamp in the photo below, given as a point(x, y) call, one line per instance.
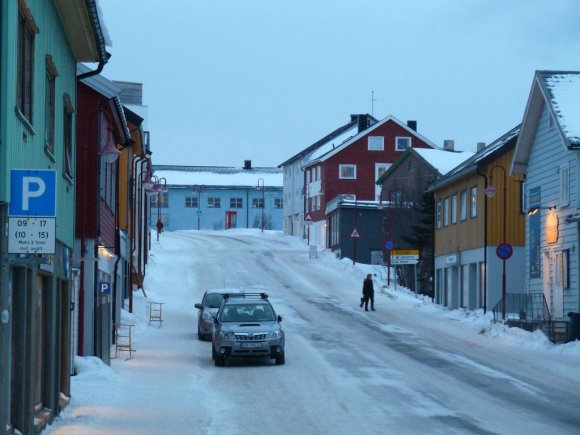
point(199, 188)
point(261, 187)
point(490, 192)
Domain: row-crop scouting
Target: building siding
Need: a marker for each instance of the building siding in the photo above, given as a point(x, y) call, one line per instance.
point(547, 154)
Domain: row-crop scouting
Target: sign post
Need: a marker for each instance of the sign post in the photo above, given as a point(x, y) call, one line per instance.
point(354, 236)
point(389, 245)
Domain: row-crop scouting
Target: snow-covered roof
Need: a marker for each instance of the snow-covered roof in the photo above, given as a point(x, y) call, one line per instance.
point(355, 120)
point(564, 90)
point(334, 142)
point(332, 150)
point(443, 160)
point(219, 176)
point(471, 164)
point(560, 92)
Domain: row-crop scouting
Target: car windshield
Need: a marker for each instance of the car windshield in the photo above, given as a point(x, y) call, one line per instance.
point(247, 313)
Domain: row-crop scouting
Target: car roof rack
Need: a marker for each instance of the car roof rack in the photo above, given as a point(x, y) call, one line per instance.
point(262, 295)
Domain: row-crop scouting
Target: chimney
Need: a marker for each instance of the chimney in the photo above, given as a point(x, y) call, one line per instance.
point(449, 145)
point(363, 122)
point(412, 125)
point(480, 146)
point(247, 164)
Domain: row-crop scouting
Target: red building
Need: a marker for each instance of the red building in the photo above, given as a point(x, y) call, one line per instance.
point(352, 168)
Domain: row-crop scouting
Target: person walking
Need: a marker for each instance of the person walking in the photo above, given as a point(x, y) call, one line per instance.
point(368, 293)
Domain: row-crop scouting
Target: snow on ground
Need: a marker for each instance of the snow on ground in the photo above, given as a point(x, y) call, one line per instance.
point(98, 391)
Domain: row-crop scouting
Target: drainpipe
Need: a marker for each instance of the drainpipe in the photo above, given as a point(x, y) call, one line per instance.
point(100, 67)
point(484, 243)
point(138, 159)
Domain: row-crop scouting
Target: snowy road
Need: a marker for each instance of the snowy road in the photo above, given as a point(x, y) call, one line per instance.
point(403, 369)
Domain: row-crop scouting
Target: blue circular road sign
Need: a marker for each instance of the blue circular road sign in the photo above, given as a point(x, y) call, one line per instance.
point(504, 250)
point(389, 245)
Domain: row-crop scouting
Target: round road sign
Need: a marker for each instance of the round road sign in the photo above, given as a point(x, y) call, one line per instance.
point(389, 245)
point(504, 250)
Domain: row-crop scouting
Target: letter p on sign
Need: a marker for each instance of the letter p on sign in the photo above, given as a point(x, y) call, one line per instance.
point(32, 187)
point(32, 193)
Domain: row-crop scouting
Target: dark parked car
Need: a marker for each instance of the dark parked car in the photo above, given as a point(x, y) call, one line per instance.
point(207, 309)
point(247, 328)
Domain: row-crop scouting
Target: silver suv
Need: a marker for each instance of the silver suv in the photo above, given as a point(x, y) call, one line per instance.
point(247, 328)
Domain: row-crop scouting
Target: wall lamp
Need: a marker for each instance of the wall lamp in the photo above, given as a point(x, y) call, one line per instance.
point(534, 210)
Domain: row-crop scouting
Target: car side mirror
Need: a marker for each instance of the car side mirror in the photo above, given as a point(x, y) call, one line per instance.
point(279, 318)
point(215, 320)
point(199, 306)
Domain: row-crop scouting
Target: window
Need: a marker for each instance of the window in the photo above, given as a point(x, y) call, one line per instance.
point(214, 202)
point(454, 209)
point(27, 31)
point(564, 184)
point(278, 203)
point(474, 201)
point(49, 103)
point(438, 213)
point(446, 212)
point(376, 143)
point(318, 173)
point(463, 206)
point(68, 136)
point(236, 203)
point(257, 202)
point(347, 172)
point(402, 143)
point(191, 202)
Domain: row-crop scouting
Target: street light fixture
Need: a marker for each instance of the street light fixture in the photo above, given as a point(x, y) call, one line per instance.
point(261, 187)
point(490, 192)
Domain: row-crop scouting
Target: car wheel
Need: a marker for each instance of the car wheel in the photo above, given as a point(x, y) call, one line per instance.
point(280, 359)
point(220, 360)
point(200, 336)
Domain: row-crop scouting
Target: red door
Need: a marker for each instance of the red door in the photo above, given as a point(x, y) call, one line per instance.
point(231, 219)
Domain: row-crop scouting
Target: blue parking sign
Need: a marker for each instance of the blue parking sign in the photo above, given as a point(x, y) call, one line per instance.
point(32, 192)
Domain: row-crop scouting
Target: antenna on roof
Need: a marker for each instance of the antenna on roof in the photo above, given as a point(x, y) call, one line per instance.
point(373, 103)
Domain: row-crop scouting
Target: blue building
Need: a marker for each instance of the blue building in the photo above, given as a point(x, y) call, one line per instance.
point(217, 197)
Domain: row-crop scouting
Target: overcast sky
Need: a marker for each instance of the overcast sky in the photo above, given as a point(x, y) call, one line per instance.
point(229, 80)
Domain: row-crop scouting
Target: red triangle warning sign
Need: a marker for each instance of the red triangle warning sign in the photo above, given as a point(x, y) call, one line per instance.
point(355, 234)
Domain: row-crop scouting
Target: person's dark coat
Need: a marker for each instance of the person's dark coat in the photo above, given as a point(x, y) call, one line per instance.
point(368, 289)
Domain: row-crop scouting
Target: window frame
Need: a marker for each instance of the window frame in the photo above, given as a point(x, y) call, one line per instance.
point(446, 211)
point(278, 203)
point(67, 137)
point(214, 202)
point(473, 202)
point(463, 205)
point(454, 209)
point(346, 166)
point(398, 148)
point(564, 184)
point(258, 202)
point(193, 202)
point(236, 202)
point(439, 214)
point(51, 74)
point(27, 31)
point(375, 143)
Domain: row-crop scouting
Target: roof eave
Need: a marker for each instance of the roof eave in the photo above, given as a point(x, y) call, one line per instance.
point(83, 30)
